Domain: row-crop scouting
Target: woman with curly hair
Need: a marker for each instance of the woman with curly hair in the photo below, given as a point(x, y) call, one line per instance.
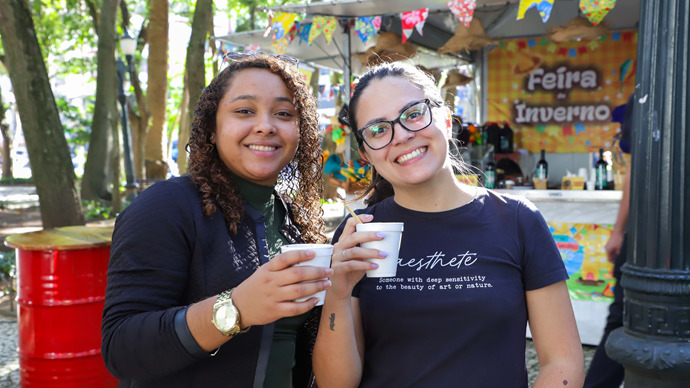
point(195, 260)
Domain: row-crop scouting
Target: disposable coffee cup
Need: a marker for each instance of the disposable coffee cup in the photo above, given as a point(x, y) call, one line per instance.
point(388, 266)
point(322, 259)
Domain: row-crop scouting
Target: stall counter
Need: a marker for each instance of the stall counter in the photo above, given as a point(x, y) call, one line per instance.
point(581, 223)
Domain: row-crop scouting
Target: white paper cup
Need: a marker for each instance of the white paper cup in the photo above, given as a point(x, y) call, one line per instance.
point(322, 259)
point(388, 266)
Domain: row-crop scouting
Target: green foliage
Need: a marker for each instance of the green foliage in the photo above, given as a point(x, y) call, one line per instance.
point(94, 210)
point(65, 31)
point(16, 181)
point(76, 122)
point(8, 270)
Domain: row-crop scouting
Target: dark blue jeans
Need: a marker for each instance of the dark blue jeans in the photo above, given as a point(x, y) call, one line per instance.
point(604, 372)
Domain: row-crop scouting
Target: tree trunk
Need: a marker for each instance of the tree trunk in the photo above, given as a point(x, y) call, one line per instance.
point(97, 173)
point(157, 91)
point(195, 79)
point(49, 155)
point(139, 122)
point(116, 162)
point(6, 152)
point(184, 132)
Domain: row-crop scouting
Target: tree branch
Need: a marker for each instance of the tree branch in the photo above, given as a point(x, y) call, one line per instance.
point(125, 14)
point(94, 14)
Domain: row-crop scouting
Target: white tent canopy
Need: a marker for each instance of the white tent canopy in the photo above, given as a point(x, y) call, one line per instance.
point(334, 55)
point(497, 16)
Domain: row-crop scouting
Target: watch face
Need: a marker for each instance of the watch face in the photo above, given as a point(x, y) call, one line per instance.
point(225, 318)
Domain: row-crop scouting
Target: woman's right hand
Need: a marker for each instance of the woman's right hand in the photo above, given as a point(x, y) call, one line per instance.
point(270, 292)
point(348, 261)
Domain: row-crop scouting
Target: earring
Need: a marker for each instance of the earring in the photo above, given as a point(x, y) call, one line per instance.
point(212, 138)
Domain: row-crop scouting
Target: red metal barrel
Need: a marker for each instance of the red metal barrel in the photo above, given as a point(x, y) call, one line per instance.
point(61, 278)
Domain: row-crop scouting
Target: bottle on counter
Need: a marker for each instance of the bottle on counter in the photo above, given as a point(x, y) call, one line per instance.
point(505, 139)
point(542, 167)
point(600, 182)
point(490, 172)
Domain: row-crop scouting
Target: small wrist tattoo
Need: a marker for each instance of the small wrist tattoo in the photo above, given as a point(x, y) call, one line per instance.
point(332, 320)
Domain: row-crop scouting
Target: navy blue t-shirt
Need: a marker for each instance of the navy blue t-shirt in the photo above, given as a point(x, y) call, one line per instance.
point(455, 313)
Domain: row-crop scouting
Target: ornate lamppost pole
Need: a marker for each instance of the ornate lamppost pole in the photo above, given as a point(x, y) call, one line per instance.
point(128, 46)
point(654, 344)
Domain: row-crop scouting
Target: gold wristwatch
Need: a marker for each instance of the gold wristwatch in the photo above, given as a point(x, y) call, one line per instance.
point(226, 318)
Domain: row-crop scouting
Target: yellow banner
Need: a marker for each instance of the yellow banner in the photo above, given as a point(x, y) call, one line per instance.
point(560, 96)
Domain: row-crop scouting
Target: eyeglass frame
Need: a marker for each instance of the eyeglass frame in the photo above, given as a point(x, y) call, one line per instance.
point(240, 55)
point(426, 101)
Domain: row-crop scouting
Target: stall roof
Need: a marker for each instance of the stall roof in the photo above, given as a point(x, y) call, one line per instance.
point(360, 8)
point(497, 16)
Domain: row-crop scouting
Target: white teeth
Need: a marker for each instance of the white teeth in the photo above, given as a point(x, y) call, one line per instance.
point(411, 155)
point(262, 148)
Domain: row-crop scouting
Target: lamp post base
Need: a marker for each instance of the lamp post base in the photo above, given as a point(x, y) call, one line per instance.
point(650, 363)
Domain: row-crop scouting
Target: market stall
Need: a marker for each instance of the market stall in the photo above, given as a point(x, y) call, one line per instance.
point(550, 75)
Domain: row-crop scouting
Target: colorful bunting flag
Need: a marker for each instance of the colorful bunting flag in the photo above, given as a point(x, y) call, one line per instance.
point(595, 10)
point(463, 10)
point(292, 34)
point(543, 6)
point(368, 26)
point(303, 33)
point(282, 23)
point(413, 20)
point(279, 46)
point(325, 25)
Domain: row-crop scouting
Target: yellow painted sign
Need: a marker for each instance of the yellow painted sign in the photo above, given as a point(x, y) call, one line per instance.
point(559, 96)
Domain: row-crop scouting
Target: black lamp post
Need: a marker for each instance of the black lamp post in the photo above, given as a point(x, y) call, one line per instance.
point(654, 344)
point(128, 46)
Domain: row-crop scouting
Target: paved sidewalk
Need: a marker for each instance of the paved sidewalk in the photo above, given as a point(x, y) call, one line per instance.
point(15, 197)
point(9, 361)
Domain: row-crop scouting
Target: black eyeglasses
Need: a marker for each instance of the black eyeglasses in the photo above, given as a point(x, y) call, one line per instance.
point(240, 55)
point(414, 118)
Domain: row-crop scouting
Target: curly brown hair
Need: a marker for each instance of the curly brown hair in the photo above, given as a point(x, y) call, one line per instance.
point(299, 181)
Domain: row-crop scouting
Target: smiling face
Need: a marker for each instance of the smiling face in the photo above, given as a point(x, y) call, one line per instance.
point(412, 158)
point(257, 126)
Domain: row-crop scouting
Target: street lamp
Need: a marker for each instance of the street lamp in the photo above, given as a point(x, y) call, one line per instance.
point(128, 46)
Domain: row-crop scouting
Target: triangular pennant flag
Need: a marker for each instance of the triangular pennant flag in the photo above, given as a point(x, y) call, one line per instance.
point(411, 19)
point(252, 48)
point(325, 25)
point(282, 23)
point(293, 31)
point(304, 33)
point(543, 6)
point(595, 10)
point(367, 26)
point(270, 24)
point(463, 10)
point(279, 46)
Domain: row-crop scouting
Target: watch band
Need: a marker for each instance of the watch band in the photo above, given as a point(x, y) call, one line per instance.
point(226, 296)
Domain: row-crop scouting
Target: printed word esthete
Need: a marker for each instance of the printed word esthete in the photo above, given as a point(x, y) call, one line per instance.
point(439, 259)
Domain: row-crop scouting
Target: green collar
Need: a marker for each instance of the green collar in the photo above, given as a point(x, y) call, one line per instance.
point(260, 197)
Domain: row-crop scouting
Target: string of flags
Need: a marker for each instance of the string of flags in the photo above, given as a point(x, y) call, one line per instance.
point(285, 27)
point(594, 10)
point(543, 6)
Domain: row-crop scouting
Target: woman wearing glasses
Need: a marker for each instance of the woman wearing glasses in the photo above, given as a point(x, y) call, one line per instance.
point(473, 264)
point(195, 260)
